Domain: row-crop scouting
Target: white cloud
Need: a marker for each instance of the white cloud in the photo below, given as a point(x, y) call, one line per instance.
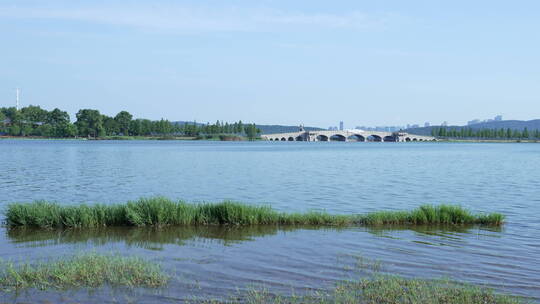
point(189, 19)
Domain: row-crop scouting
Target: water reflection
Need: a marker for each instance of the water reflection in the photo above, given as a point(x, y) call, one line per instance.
point(155, 238)
point(149, 238)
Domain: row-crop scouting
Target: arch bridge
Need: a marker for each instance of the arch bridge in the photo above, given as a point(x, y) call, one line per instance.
point(347, 135)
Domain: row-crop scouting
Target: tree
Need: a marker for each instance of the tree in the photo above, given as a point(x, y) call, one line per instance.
point(136, 127)
point(240, 127)
point(89, 123)
point(123, 119)
point(34, 114)
point(14, 130)
point(57, 117)
point(251, 131)
point(110, 125)
point(525, 133)
point(12, 114)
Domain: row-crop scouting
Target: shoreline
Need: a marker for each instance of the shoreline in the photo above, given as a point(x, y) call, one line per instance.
point(126, 138)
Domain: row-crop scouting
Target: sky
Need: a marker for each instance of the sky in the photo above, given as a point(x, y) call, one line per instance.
point(315, 62)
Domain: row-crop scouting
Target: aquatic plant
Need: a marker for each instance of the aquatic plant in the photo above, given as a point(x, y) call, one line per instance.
point(160, 211)
point(84, 270)
point(385, 290)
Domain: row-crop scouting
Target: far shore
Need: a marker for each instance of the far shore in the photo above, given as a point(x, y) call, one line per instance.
point(240, 138)
point(209, 138)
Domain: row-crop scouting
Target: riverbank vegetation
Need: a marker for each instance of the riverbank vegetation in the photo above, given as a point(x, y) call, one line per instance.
point(160, 211)
point(90, 123)
point(485, 134)
point(89, 270)
point(386, 290)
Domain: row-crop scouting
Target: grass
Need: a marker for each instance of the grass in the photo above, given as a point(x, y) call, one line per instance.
point(160, 211)
point(85, 270)
point(387, 290)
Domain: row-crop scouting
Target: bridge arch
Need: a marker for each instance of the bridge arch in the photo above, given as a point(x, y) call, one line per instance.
point(389, 138)
point(337, 137)
point(407, 139)
point(322, 138)
point(290, 138)
point(415, 139)
point(356, 137)
point(299, 138)
point(283, 139)
point(374, 137)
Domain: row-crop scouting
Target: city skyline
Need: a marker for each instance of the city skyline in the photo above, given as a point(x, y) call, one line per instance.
point(275, 62)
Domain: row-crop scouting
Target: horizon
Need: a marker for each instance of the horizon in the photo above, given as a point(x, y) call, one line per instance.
point(275, 62)
point(412, 126)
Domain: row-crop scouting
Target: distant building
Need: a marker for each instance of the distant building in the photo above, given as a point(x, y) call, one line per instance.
point(444, 124)
point(473, 122)
point(427, 124)
point(341, 125)
point(498, 118)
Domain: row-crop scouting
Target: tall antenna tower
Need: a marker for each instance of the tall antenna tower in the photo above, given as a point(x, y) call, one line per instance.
point(18, 94)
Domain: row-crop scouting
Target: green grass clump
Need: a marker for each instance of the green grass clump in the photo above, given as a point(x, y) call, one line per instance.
point(388, 290)
point(82, 271)
point(432, 215)
point(160, 211)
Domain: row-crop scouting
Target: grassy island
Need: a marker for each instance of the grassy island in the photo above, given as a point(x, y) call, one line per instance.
point(160, 211)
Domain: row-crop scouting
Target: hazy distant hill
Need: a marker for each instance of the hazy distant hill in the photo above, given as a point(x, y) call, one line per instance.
point(266, 129)
point(504, 124)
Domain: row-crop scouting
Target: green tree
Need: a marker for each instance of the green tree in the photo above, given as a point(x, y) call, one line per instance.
point(14, 130)
point(252, 131)
point(135, 127)
point(123, 119)
point(89, 123)
point(57, 117)
point(34, 114)
point(525, 133)
point(110, 126)
point(13, 115)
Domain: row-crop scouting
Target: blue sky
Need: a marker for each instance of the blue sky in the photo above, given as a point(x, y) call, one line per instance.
point(284, 62)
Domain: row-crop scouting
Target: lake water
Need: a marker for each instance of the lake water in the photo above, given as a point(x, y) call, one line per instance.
point(290, 176)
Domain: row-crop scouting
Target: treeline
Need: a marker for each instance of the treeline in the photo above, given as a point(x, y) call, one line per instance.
point(485, 133)
point(35, 121)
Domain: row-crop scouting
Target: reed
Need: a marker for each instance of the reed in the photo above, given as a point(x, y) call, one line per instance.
point(82, 271)
point(159, 211)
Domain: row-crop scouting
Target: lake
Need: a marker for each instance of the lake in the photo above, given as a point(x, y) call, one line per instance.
point(290, 176)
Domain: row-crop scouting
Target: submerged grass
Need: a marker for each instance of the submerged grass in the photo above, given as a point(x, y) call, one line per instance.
point(160, 211)
point(387, 290)
point(82, 271)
